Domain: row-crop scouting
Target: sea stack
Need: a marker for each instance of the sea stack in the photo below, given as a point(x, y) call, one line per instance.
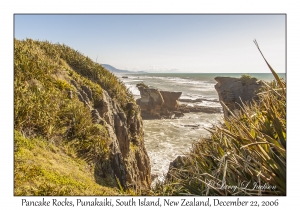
point(235, 91)
point(157, 104)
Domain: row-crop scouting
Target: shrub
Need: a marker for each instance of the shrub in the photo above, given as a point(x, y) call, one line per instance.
point(142, 85)
point(45, 112)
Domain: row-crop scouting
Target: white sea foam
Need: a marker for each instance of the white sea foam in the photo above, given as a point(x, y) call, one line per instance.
point(169, 138)
point(133, 89)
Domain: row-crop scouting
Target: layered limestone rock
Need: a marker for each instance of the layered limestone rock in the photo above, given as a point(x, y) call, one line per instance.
point(171, 99)
point(128, 160)
point(157, 104)
point(235, 91)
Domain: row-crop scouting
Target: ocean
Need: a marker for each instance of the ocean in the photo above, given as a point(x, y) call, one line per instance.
point(165, 139)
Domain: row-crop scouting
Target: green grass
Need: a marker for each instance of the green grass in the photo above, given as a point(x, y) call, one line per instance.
point(42, 106)
point(45, 112)
point(245, 79)
point(42, 168)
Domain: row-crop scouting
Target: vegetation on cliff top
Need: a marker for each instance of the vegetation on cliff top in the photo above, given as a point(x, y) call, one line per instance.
point(51, 125)
point(142, 84)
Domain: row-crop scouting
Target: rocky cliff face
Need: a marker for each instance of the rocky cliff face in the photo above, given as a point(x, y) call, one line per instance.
point(157, 104)
point(128, 159)
point(85, 112)
point(233, 91)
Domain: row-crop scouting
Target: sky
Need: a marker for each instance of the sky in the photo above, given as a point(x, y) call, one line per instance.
point(178, 43)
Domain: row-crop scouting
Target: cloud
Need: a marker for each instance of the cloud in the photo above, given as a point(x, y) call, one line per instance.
point(162, 69)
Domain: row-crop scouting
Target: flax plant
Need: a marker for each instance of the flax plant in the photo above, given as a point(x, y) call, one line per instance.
point(245, 155)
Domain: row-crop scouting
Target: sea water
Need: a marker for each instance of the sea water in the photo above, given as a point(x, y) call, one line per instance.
point(165, 139)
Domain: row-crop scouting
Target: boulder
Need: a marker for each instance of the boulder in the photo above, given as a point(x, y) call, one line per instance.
point(178, 163)
point(178, 114)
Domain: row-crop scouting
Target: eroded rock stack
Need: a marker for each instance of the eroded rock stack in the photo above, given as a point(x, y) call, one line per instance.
point(233, 91)
point(155, 104)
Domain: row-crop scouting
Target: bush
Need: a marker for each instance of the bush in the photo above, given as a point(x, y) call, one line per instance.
point(45, 112)
point(142, 85)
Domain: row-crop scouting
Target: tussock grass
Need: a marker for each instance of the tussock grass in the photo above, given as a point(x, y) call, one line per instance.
point(41, 103)
point(41, 168)
point(246, 155)
point(43, 109)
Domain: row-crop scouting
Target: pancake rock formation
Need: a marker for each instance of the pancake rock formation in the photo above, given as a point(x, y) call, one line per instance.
point(235, 91)
point(155, 104)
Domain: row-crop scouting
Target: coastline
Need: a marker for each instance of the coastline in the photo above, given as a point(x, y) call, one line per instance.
point(165, 139)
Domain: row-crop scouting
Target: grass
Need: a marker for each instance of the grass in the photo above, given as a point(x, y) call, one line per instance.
point(44, 111)
point(42, 168)
point(245, 79)
point(42, 106)
point(247, 151)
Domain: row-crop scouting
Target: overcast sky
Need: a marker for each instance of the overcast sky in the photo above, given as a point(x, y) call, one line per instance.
point(166, 43)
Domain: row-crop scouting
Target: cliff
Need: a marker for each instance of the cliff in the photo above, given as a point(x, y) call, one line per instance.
point(128, 160)
point(235, 91)
point(79, 108)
